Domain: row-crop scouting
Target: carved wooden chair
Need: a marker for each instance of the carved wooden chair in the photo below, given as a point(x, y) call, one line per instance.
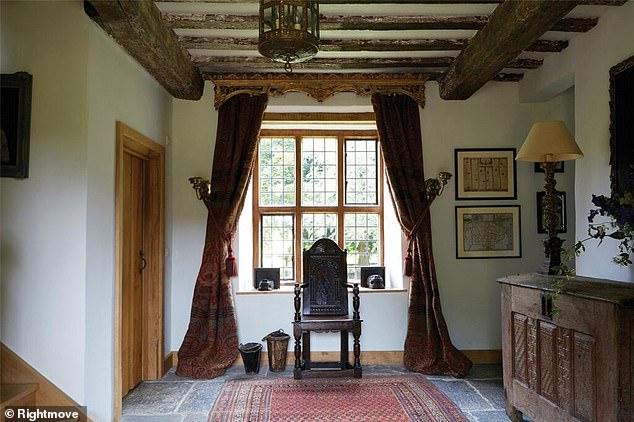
point(325, 308)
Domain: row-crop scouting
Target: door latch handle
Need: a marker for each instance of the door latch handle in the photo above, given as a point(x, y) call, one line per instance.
point(143, 261)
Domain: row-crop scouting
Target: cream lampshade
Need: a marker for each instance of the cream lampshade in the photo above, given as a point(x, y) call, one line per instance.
point(548, 143)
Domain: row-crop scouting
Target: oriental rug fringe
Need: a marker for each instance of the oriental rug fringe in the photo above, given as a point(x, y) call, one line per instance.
point(374, 398)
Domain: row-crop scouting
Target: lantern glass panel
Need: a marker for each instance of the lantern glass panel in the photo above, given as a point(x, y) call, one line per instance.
point(268, 19)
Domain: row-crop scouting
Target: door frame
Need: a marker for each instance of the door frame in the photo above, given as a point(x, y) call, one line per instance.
point(133, 142)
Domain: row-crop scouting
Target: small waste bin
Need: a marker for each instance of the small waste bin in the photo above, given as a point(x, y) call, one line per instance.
point(251, 357)
point(277, 345)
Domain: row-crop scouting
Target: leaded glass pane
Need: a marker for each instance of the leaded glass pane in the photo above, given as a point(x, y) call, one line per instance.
point(277, 171)
point(361, 239)
point(319, 171)
point(278, 244)
point(318, 226)
point(361, 172)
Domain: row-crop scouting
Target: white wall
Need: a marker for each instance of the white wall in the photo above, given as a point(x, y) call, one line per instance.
point(44, 217)
point(58, 225)
point(492, 117)
point(586, 64)
point(470, 298)
point(118, 89)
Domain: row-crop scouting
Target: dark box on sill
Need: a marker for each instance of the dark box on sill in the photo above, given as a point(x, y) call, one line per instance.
point(272, 274)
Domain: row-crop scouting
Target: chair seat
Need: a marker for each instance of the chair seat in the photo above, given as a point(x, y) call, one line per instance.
point(327, 323)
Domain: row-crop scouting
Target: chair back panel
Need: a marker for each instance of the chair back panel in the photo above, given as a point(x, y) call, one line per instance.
point(326, 273)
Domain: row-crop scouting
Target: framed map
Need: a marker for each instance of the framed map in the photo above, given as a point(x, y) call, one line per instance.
point(488, 232)
point(485, 173)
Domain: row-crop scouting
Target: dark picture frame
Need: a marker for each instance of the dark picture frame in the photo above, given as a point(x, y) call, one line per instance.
point(622, 127)
point(272, 274)
point(485, 173)
point(488, 232)
point(541, 218)
point(559, 167)
point(15, 118)
point(368, 271)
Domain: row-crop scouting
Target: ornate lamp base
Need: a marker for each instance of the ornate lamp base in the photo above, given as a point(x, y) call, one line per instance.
point(552, 250)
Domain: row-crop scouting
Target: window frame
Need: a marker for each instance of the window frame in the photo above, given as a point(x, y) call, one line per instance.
point(298, 210)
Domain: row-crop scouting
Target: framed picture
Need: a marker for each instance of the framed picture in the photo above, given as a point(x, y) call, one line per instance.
point(15, 118)
point(271, 274)
point(559, 168)
point(487, 173)
point(622, 128)
point(366, 272)
point(488, 232)
point(561, 212)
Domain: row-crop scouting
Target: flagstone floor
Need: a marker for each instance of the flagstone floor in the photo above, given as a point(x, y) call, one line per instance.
point(177, 399)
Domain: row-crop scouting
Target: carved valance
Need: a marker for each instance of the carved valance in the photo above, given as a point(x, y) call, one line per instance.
point(318, 85)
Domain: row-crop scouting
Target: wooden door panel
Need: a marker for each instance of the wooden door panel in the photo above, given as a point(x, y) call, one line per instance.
point(132, 281)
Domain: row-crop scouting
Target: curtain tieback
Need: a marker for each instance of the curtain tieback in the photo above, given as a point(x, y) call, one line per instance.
point(231, 265)
point(411, 235)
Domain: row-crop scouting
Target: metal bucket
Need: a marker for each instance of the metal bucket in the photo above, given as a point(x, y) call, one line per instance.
point(277, 345)
point(251, 357)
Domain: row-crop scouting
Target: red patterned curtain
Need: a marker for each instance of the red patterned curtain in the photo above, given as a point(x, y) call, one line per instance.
point(428, 348)
point(211, 343)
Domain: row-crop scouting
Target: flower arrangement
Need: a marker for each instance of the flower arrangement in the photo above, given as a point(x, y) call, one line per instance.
point(620, 209)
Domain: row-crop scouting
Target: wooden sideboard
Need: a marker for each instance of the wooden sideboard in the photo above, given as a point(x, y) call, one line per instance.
point(573, 364)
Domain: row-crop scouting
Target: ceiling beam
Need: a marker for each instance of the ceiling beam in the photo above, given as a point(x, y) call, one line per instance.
point(512, 27)
point(360, 2)
point(363, 23)
point(350, 45)
point(140, 29)
point(257, 63)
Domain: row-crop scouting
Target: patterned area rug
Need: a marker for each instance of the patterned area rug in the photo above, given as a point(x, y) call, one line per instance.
point(379, 398)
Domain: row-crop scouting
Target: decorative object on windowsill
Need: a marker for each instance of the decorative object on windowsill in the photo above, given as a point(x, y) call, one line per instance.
point(202, 187)
point(289, 31)
point(433, 189)
point(271, 275)
point(265, 285)
point(370, 272)
point(548, 143)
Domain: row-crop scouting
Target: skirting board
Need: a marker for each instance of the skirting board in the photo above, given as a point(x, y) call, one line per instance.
point(478, 357)
point(14, 370)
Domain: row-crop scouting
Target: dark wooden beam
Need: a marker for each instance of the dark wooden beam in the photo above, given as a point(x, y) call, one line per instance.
point(363, 23)
point(361, 2)
point(140, 29)
point(258, 63)
point(512, 27)
point(434, 44)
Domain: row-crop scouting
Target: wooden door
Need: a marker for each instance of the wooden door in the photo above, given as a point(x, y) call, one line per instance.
point(133, 265)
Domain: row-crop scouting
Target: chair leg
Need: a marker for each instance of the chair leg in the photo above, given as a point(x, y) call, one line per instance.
point(298, 357)
point(357, 354)
point(306, 350)
point(343, 359)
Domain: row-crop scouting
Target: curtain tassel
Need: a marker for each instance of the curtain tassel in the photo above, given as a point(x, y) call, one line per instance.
point(230, 263)
point(408, 263)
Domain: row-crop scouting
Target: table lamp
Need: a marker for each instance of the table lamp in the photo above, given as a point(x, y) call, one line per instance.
point(549, 143)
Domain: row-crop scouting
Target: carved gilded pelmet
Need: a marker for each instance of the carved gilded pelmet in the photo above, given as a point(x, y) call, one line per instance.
point(318, 85)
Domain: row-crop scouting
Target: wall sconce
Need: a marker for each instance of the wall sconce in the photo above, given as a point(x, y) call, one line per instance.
point(202, 187)
point(549, 143)
point(435, 187)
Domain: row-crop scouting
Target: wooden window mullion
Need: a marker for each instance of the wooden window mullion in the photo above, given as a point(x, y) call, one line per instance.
point(297, 210)
point(341, 186)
